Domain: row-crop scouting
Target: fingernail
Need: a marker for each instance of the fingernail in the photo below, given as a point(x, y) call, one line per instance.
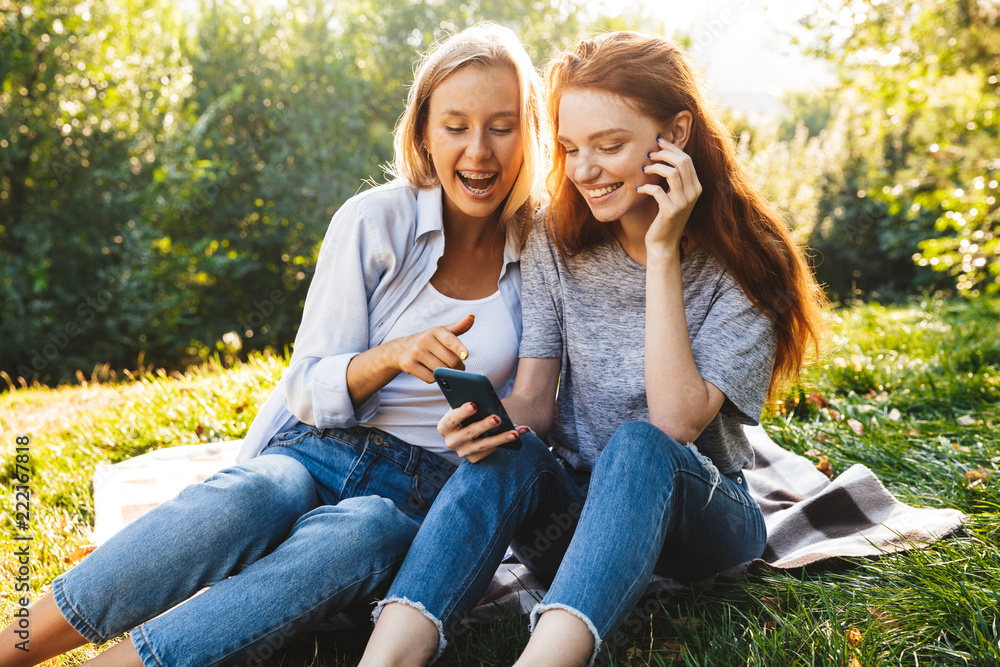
point(512, 436)
point(644, 168)
point(472, 315)
point(659, 139)
point(463, 356)
point(650, 154)
point(496, 420)
point(473, 406)
point(637, 189)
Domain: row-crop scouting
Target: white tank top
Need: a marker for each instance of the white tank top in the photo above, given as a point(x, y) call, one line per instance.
point(409, 408)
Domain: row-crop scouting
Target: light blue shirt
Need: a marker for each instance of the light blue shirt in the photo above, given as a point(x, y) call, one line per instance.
point(381, 249)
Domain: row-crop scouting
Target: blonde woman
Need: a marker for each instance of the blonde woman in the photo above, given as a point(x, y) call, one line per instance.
point(344, 459)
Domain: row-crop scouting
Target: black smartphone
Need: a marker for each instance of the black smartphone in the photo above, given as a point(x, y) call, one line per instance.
point(461, 387)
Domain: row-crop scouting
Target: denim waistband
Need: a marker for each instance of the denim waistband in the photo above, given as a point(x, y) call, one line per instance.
point(410, 457)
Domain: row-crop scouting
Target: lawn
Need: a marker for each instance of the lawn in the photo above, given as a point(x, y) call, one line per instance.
point(911, 391)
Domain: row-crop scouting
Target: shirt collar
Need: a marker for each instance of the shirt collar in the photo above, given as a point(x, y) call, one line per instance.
point(430, 214)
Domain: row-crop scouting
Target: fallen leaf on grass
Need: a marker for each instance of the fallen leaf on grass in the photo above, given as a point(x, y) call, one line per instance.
point(79, 554)
point(854, 636)
point(771, 603)
point(768, 625)
point(856, 426)
point(975, 476)
point(671, 650)
point(884, 619)
point(688, 622)
point(825, 467)
point(817, 399)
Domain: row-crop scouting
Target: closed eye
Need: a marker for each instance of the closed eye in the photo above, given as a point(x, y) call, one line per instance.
point(613, 149)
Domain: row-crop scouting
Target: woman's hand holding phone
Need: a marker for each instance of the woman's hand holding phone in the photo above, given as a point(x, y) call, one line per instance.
point(466, 441)
point(478, 422)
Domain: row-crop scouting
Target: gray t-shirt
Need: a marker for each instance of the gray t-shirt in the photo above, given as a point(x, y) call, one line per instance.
point(592, 316)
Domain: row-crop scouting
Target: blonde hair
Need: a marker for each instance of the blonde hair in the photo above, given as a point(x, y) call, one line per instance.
point(485, 44)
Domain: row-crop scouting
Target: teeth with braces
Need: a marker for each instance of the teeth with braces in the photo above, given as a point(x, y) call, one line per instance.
point(603, 191)
point(475, 176)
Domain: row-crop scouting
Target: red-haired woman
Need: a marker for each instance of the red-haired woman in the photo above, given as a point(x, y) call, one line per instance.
point(665, 299)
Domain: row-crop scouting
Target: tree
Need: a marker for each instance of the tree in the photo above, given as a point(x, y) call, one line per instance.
point(86, 93)
point(927, 70)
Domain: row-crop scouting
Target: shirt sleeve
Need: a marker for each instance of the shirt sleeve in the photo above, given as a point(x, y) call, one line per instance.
point(541, 297)
point(335, 325)
point(734, 350)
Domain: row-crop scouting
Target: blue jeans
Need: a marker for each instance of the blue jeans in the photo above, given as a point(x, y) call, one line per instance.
point(317, 523)
point(653, 506)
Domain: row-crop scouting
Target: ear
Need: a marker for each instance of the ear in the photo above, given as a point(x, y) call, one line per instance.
point(679, 130)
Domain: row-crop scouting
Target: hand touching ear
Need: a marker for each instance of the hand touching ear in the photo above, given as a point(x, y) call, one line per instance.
point(676, 200)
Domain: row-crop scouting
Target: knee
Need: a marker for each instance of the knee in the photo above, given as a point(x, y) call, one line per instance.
point(267, 484)
point(638, 432)
point(369, 525)
point(638, 443)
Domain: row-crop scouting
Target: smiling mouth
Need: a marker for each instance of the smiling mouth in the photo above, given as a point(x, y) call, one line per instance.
point(477, 182)
point(603, 191)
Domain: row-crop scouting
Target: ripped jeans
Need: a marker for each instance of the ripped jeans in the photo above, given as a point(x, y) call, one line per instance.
point(652, 506)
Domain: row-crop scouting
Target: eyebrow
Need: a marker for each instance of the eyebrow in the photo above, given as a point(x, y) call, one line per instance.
point(600, 134)
point(463, 114)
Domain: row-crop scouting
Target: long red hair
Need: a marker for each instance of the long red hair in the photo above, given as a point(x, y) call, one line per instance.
point(732, 219)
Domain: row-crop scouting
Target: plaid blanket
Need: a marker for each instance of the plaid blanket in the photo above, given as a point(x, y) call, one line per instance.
point(809, 517)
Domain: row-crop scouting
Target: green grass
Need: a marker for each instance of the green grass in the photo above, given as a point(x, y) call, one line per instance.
point(912, 391)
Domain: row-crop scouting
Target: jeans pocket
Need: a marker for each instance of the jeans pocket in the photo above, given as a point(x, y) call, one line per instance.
point(292, 436)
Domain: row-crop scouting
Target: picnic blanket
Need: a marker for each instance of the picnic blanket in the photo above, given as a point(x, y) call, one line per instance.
point(810, 518)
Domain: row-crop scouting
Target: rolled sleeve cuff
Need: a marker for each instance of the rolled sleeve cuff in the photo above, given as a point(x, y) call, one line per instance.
point(330, 401)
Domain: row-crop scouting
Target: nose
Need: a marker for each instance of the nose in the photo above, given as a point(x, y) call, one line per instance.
point(585, 169)
point(479, 148)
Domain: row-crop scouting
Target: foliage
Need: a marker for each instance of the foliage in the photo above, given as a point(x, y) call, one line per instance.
point(165, 178)
point(923, 74)
point(86, 93)
point(921, 380)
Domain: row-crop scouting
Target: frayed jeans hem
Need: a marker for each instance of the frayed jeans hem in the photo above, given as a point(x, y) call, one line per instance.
point(539, 609)
point(442, 641)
